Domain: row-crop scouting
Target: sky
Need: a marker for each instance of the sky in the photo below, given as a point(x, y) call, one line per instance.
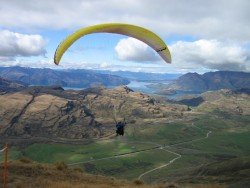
point(201, 35)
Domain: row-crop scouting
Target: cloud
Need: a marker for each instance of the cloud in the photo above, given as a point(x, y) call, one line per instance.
point(111, 66)
point(131, 49)
point(16, 44)
point(210, 54)
point(104, 65)
point(214, 19)
point(198, 56)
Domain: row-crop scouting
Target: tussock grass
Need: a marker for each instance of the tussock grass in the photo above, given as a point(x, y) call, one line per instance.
point(31, 174)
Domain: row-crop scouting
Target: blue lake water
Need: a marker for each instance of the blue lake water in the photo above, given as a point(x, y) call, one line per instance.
point(73, 88)
point(139, 86)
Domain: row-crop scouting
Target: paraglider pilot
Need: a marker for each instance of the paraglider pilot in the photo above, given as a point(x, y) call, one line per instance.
point(120, 128)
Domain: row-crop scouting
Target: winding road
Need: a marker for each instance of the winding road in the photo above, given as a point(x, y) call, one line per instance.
point(156, 146)
point(177, 154)
point(162, 166)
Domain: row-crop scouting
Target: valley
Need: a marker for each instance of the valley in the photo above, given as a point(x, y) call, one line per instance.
point(164, 142)
point(124, 94)
point(156, 153)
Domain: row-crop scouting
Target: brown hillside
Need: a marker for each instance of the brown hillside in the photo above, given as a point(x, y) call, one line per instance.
point(26, 174)
point(90, 113)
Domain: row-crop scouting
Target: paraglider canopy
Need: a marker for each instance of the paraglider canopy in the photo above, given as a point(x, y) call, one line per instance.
point(142, 34)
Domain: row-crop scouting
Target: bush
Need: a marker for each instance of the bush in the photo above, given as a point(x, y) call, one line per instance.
point(78, 169)
point(139, 113)
point(138, 182)
point(25, 160)
point(132, 121)
point(61, 166)
point(171, 185)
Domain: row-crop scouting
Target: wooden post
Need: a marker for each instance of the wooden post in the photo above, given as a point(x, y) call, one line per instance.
point(5, 173)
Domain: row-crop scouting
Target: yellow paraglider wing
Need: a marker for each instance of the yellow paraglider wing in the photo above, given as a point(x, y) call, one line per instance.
point(137, 32)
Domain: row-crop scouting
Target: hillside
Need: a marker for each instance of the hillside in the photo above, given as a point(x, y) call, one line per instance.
point(206, 145)
point(233, 172)
point(25, 173)
point(210, 81)
point(225, 100)
point(65, 78)
point(10, 86)
point(89, 113)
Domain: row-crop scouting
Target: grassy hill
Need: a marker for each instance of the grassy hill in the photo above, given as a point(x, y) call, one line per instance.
point(208, 145)
point(25, 173)
point(91, 113)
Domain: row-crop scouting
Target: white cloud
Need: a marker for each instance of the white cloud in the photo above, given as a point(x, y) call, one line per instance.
point(104, 65)
point(214, 19)
point(111, 66)
point(210, 54)
point(16, 44)
point(131, 49)
point(198, 56)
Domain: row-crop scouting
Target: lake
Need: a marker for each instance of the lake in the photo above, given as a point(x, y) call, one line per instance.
point(140, 86)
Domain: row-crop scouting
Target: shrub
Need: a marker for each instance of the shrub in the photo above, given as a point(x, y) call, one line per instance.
point(61, 166)
point(25, 160)
point(132, 121)
point(138, 182)
point(78, 169)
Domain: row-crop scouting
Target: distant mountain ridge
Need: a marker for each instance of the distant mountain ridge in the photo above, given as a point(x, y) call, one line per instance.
point(10, 86)
point(143, 76)
point(209, 81)
point(65, 78)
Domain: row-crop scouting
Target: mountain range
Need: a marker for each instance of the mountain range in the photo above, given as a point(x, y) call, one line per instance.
point(65, 78)
point(164, 84)
point(210, 81)
point(143, 76)
point(36, 118)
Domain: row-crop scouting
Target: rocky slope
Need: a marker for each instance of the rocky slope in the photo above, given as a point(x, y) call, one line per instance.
point(90, 113)
point(221, 101)
point(226, 101)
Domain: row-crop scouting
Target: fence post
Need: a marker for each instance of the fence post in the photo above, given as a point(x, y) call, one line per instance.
point(5, 173)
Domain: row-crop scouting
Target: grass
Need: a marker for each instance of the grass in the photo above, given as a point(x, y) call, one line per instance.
point(14, 154)
point(225, 143)
point(50, 153)
point(230, 138)
point(24, 175)
point(130, 167)
point(185, 162)
point(167, 133)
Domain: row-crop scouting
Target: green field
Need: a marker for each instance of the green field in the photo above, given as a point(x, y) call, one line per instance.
point(14, 154)
point(50, 153)
point(230, 138)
